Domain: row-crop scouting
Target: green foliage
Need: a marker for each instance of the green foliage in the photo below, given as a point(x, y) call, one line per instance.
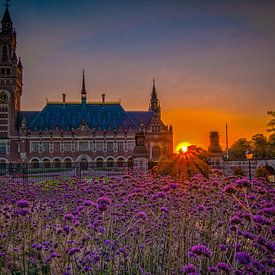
point(271, 123)
point(238, 171)
point(271, 144)
point(262, 172)
point(238, 149)
point(260, 146)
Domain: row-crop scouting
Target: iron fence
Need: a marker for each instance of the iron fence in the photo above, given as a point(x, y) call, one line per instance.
point(44, 171)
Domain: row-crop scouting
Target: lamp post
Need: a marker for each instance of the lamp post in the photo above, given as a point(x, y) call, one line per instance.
point(249, 156)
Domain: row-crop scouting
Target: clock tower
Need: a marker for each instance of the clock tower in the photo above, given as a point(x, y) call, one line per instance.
point(11, 73)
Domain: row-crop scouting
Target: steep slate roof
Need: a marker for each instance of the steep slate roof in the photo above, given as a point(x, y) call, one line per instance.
point(142, 117)
point(96, 115)
point(28, 115)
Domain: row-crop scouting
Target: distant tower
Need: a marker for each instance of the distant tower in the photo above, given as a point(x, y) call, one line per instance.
point(11, 75)
point(214, 146)
point(154, 102)
point(83, 90)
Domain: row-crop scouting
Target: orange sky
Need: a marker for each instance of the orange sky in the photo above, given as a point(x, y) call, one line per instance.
point(194, 125)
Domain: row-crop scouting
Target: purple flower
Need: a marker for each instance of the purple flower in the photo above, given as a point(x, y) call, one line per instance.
point(74, 250)
point(87, 203)
point(164, 209)
point(103, 203)
point(68, 217)
point(108, 242)
point(201, 250)
point(189, 268)
point(230, 189)
point(22, 204)
point(243, 258)
point(261, 220)
point(212, 269)
point(243, 183)
point(67, 229)
point(141, 215)
point(223, 266)
point(54, 255)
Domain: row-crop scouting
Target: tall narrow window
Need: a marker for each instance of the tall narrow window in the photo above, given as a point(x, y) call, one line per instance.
point(156, 152)
point(5, 53)
point(4, 117)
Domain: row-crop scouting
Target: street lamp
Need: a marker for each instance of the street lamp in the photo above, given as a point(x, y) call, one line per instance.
point(249, 156)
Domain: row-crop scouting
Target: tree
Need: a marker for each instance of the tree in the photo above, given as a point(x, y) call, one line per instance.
point(271, 144)
point(260, 146)
point(271, 123)
point(239, 148)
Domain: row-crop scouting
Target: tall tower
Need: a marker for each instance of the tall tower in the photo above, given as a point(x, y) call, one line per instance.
point(214, 146)
point(83, 90)
point(11, 75)
point(154, 102)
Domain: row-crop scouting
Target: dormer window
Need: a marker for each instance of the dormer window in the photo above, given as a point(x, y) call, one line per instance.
point(155, 128)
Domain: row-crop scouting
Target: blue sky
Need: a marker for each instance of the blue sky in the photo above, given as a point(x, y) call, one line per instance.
point(213, 60)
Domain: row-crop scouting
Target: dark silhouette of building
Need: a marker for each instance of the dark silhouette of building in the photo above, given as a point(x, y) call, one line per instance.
point(214, 146)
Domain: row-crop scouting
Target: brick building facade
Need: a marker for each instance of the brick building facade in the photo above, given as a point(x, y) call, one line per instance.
point(65, 132)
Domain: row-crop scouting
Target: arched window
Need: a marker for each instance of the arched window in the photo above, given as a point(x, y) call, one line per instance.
point(156, 152)
point(84, 164)
point(110, 162)
point(46, 163)
point(120, 162)
point(57, 163)
point(8, 71)
point(5, 53)
point(35, 164)
point(68, 163)
point(3, 71)
point(99, 163)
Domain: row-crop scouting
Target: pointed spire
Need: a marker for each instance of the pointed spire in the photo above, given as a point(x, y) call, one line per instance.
point(83, 90)
point(6, 20)
point(154, 102)
point(6, 17)
point(20, 66)
point(154, 93)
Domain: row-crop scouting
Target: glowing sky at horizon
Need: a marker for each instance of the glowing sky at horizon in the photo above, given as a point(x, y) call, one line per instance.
point(213, 60)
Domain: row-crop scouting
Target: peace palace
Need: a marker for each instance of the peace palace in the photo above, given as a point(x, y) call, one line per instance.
point(65, 132)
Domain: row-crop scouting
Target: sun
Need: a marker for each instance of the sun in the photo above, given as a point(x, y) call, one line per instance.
point(183, 146)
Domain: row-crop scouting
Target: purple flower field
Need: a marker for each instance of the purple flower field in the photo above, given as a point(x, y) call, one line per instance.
point(137, 225)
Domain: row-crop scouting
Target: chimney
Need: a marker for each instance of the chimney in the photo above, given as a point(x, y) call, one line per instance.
point(63, 98)
point(103, 98)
